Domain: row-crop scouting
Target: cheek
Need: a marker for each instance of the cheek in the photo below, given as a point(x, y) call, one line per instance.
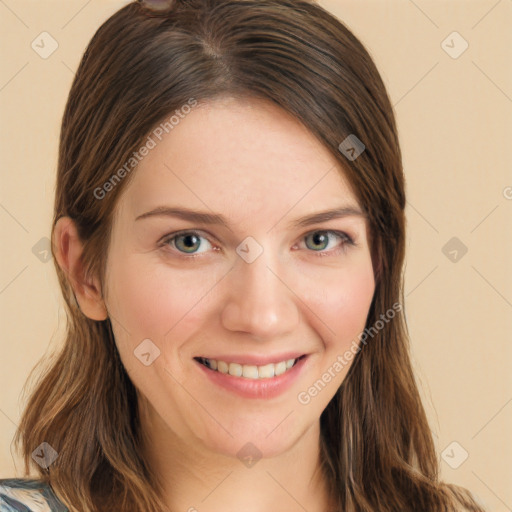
point(150, 300)
point(139, 300)
point(343, 306)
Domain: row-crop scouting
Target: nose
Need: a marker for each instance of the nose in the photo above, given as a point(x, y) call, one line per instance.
point(259, 300)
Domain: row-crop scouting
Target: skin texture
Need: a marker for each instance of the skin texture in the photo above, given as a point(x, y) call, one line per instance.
point(261, 169)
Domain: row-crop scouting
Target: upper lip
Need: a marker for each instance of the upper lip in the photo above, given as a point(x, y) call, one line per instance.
point(256, 359)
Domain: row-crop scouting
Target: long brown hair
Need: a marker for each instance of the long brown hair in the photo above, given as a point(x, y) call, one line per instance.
point(142, 65)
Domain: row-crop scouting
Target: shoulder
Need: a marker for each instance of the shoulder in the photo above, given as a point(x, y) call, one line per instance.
point(28, 495)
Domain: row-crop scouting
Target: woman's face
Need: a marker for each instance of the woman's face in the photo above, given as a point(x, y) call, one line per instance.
point(252, 293)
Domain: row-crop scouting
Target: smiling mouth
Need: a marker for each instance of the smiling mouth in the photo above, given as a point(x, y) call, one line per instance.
point(248, 371)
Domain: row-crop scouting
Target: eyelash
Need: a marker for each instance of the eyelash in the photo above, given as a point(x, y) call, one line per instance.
point(346, 241)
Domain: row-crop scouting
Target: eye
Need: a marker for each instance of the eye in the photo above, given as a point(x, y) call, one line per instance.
point(320, 240)
point(186, 242)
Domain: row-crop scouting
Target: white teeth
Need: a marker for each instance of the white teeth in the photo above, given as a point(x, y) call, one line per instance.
point(235, 369)
point(222, 367)
point(249, 371)
point(280, 368)
point(266, 371)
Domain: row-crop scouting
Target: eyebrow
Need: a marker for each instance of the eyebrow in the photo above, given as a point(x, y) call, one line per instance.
point(218, 219)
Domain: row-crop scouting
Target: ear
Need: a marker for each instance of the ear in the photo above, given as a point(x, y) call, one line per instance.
point(68, 250)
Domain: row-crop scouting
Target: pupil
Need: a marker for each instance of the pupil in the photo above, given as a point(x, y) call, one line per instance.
point(319, 238)
point(187, 239)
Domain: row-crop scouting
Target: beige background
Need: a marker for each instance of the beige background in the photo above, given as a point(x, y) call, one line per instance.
point(454, 117)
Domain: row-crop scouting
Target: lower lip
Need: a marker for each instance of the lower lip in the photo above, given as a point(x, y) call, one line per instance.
point(255, 388)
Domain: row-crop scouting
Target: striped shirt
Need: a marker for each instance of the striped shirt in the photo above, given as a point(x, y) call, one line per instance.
point(28, 495)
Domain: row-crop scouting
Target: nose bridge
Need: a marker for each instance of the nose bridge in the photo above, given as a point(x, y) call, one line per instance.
point(258, 300)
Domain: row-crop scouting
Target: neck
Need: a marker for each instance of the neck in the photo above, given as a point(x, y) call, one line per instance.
point(196, 479)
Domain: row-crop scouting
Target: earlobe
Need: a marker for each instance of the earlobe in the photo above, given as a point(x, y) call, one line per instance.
point(68, 249)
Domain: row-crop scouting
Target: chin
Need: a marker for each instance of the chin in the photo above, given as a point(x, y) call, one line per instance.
point(252, 441)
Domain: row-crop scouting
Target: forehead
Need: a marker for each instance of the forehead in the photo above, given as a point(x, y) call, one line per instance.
point(238, 157)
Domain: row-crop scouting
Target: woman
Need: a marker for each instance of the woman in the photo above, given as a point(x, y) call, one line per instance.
point(229, 236)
